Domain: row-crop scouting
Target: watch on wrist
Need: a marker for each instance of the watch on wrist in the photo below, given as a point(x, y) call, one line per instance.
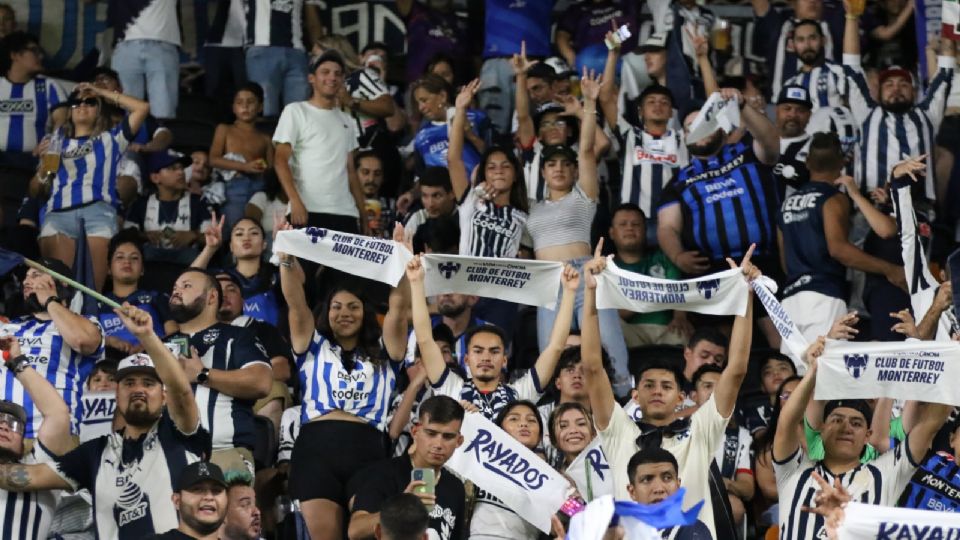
point(203, 376)
point(53, 298)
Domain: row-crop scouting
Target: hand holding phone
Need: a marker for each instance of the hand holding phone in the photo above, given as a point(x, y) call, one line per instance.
point(423, 484)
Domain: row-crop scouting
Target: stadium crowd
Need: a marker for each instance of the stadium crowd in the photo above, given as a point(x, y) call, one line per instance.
point(241, 392)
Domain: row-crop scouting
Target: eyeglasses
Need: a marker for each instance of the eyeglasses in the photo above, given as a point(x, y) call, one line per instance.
point(12, 423)
point(553, 124)
point(89, 102)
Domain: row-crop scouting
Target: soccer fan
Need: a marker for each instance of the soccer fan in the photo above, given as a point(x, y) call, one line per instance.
point(31, 515)
point(437, 199)
point(433, 140)
point(275, 55)
point(827, 83)
point(456, 311)
point(653, 474)
point(936, 484)
point(706, 345)
point(486, 352)
point(380, 210)
point(131, 472)
point(569, 386)
point(432, 28)
point(570, 431)
point(403, 517)
point(226, 365)
point(62, 345)
point(792, 118)
point(223, 58)
point(436, 437)
point(242, 521)
point(775, 368)
point(201, 502)
point(582, 28)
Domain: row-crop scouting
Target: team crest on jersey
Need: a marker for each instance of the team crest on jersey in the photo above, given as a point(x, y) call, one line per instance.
point(856, 364)
point(449, 269)
point(143, 298)
point(316, 234)
point(283, 6)
point(708, 287)
point(211, 336)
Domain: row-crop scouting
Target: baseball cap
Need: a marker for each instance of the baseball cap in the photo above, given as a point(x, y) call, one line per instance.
point(136, 363)
point(162, 160)
point(797, 95)
point(14, 410)
point(859, 405)
point(544, 109)
point(654, 43)
point(330, 55)
point(553, 150)
point(895, 71)
point(227, 276)
point(200, 471)
point(560, 66)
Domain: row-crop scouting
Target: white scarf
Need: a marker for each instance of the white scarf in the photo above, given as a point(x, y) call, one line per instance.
point(591, 472)
point(358, 255)
point(723, 293)
point(917, 370)
point(716, 113)
point(869, 522)
point(499, 464)
point(533, 283)
point(794, 344)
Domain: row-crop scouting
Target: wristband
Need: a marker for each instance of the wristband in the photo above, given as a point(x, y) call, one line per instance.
point(18, 364)
point(54, 298)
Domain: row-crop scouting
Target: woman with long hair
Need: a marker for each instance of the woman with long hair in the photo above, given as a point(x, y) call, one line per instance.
point(434, 140)
point(572, 432)
point(84, 186)
point(347, 376)
point(763, 445)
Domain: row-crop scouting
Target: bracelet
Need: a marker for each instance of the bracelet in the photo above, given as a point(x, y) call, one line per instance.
point(18, 364)
point(287, 263)
point(851, 17)
point(54, 298)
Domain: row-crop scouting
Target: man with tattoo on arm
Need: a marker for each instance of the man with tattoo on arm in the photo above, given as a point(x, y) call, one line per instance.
point(130, 472)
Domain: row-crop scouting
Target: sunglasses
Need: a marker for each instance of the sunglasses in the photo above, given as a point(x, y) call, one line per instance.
point(89, 102)
point(12, 423)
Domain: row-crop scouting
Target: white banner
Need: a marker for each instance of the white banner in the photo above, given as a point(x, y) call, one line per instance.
point(498, 464)
point(358, 255)
point(716, 113)
point(97, 410)
point(794, 344)
point(723, 293)
point(872, 522)
point(533, 283)
point(918, 370)
point(591, 472)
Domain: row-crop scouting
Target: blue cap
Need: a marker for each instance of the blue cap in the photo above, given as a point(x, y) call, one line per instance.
point(162, 160)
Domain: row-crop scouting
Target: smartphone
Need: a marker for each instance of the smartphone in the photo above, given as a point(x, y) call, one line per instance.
point(618, 37)
point(179, 346)
point(429, 479)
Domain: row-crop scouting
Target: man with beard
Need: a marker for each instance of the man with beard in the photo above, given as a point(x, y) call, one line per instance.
point(226, 365)
point(730, 187)
point(201, 502)
point(897, 126)
point(131, 472)
point(61, 345)
point(242, 521)
point(793, 114)
point(436, 437)
point(455, 311)
point(33, 514)
point(827, 83)
point(381, 210)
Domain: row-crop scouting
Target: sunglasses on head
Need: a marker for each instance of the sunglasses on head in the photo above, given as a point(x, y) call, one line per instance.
point(89, 102)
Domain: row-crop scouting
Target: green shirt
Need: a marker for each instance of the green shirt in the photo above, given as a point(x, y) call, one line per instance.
point(815, 442)
point(657, 265)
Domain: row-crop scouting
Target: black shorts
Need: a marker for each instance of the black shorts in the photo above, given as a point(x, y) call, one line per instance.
point(327, 454)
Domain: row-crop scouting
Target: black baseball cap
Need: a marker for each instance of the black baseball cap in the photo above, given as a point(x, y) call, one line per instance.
point(162, 160)
point(329, 55)
point(551, 151)
point(859, 405)
point(223, 275)
point(797, 95)
point(200, 471)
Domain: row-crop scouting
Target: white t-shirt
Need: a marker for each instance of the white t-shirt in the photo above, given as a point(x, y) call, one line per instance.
point(693, 449)
point(269, 209)
point(158, 20)
point(322, 140)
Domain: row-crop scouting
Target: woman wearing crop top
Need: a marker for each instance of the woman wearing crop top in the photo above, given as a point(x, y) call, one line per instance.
point(560, 224)
point(347, 376)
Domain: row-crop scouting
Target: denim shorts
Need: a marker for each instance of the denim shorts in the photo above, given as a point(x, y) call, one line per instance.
point(99, 219)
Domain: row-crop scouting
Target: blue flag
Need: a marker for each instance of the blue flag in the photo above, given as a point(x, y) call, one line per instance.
point(9, 260)
point(662, 515)
point(83, 267)
point(640, 521)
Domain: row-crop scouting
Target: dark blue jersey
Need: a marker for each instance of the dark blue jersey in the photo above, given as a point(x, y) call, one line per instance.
point(809, 264)
point(935, 485)
point(154, 303)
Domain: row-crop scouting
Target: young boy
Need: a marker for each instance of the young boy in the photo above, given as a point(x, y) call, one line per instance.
point(240, 153)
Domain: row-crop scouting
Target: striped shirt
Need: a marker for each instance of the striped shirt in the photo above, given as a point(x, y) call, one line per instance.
point(650, 163)
point(326, 385)
point(526, 387)
point(88, 169)
point(145, 19)
point(488, 230)
point(366, 85)
point(773, 34)
point(886, 138)
point(228, 27)
point(729, 201)
point(878, 482)
point(275, 23)
point(28, 515)
point(228, 419)
point(24, 111)
point(562, 221)
point(828, 84)
point(935, 485)
point(60, 365)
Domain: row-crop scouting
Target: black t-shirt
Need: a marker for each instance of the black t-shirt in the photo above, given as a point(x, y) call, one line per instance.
point(172, 534)
point(383, 480)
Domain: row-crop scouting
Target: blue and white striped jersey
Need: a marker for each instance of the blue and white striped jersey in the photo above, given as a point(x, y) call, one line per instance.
point(828, 85)
point(88, 169)
point(326, 385)
point(228, 419)
point(63, 367)
point(24, 111)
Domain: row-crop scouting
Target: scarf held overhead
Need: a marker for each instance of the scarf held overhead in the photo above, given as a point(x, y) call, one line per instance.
point(533, 283)
point(358, 255)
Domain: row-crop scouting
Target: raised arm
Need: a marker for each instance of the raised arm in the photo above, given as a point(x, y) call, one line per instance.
point(930, 419)
point(77, 331)
point(702, 49)
point(137, 109)
point(212, 240)
point(547, 361)
point(459, 176)
point(180, 401)
point(586, 157)
point(609, 92)
point(882, 224)
point(786, 441)
point(526, 132)
point(725, 394)
point(599, 387)
point(766, 138)
point(395, 322)
point(430, 353)
point(299, 316)
point(836, 225)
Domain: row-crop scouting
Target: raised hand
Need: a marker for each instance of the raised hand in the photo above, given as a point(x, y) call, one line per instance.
point(415, 271)
point(465, 97)
point(912, 167)
point(399, 237)
point(749, 270)
point(848, 183)
point(813, 352)
point(590, 83)
point(520, 63)
point(192, 365)
point(213, 236)
point(845, 327)
point(701, 46)
point(570, 278)
point(596, 265)
point(136, 320)
point(907, 326)
point(571, 105)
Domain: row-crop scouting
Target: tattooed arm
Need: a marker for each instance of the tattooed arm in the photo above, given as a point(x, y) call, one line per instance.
point(36, 477)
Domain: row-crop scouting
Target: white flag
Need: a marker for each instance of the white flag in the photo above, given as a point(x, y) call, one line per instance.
point(723, 293)
point(355, 254)
point(97, 414)
point(872, 522)
point(533, 283)
point(591, 472)
point(794, 344)
point(918, 370)
point(716, 113)
point(499, 464)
